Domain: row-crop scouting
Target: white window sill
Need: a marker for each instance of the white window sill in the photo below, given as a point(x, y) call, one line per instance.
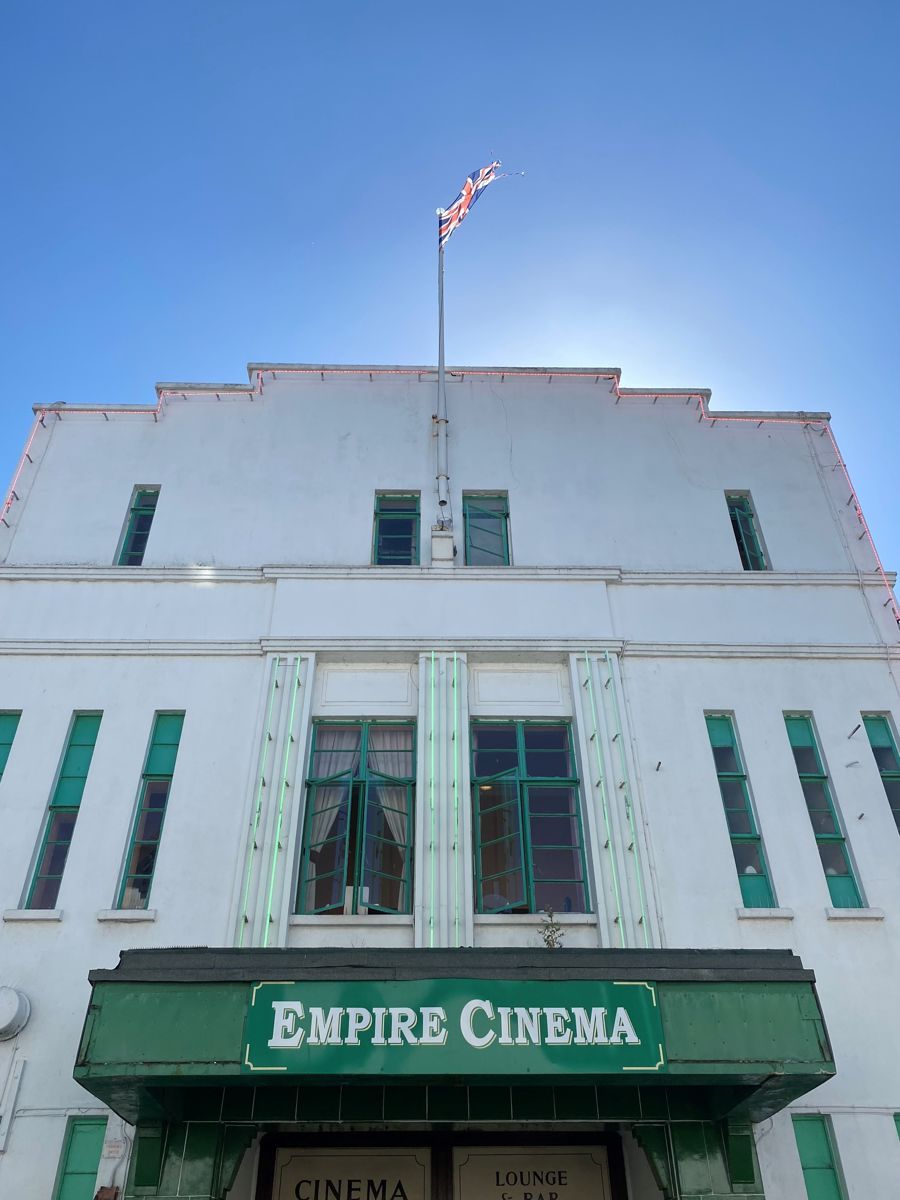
point(765, 914)
point(854, 914)
point(535, 919)
point(360, 919)
point(33, 914)
point(126, 914)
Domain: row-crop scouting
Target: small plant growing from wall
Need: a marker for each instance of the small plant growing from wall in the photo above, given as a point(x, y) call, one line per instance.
point(551, 931)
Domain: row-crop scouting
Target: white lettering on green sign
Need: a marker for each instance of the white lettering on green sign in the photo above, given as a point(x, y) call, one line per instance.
point(480, 1024)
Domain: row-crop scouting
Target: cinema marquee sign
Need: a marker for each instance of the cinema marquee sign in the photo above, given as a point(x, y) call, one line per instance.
point(459, 1027)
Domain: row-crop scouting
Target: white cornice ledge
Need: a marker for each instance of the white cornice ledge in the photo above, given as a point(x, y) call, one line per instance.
point(83, 573)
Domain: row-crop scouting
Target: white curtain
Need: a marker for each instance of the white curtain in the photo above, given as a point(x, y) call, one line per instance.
point(389, 754)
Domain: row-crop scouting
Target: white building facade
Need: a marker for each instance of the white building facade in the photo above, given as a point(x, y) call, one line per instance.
point(320, 756)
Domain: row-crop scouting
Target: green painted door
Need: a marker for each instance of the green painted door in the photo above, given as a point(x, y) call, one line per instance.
point(80, 1158)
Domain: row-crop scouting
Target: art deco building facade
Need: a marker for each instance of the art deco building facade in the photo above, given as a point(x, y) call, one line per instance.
point(545, 843)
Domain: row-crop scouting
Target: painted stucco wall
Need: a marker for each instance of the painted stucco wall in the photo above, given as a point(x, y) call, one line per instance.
point(625, 611)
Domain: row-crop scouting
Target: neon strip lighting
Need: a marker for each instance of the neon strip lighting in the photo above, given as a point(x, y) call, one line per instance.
point(276, 848)
point(252, 848)
point(431, 806)
point(628, 804)
point(456, 887)
point(602, 786)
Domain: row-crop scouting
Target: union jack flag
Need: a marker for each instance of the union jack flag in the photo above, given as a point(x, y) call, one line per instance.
point(449, 218)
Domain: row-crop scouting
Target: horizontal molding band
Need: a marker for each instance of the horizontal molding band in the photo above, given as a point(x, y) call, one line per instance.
point(454, 574)
point(394, 647)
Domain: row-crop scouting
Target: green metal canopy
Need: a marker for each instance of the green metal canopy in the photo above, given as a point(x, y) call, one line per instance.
point(178, 1035)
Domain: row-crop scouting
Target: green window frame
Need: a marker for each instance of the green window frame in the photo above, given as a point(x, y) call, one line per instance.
point(746, 842)
point(358, 828)
point(62, 811)
point(137, 527)
point(146, 833)
point(818, 1158)
point(526, 803)
point(9, 723)
point(486, 526)
point(830, 840)
point(881, 739)
point(79, 1159)
point(396, 537)
point(746, 531)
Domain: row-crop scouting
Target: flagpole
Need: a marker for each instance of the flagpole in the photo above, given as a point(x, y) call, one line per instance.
point(441, 419)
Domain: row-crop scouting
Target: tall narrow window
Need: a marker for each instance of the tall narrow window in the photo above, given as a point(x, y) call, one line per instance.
point(9, 723)
point(151, 811)
point(358, 830)
point(818, 1158)
point(746, 843)
point(826, 825)
point(396, 530)
point(486, 521)
point(885, 750)
point(746, 531)
point(63, 811)
point(80, 1158)
point(529, 843)
point(137, 528)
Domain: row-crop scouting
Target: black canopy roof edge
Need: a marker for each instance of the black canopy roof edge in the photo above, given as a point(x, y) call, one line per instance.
point(202, 964)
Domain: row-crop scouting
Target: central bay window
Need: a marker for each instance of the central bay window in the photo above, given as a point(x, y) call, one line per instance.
point(358, 828)
point(529, 842)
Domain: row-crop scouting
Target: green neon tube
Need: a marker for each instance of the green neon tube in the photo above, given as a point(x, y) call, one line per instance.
point(628, 805)
point(252, 848)
point(601, 783)
point(431, 803)
point(276, 847)
point(456, 888)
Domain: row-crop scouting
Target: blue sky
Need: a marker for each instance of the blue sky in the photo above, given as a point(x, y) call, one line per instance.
point(711, 198)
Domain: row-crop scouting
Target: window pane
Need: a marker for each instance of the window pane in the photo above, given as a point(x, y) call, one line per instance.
point(500, 822)
point(61, 826)
point(747, 858)
point(556, 863)
point(495, 749)
point(327, 813)
point(336, 750)
point(726, 760)
point(806, 759)
point(386, 815)
point(834, 858)
point(561, 897)
point(382, 891)
point(45, 893)
point(324, 893)
point(391, 750)
point(500, 857)
point(552, 801)
point(547, 751)
point(892, 787)
point(156, 792)
point(135, 893)
point(739, 821)
point(733, 793)
point(504, 893)
point(886, 758)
